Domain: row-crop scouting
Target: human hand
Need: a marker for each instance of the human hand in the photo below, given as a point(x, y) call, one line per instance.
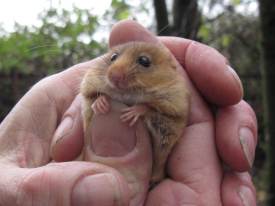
point(50, 114)
point(196, 175)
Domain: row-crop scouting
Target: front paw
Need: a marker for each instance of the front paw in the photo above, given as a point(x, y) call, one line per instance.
point(101, 105)
point(133, 113)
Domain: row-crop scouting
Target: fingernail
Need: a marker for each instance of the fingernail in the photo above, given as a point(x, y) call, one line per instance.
point(246, 196)
point(236, 77)
point(246, 140)
point(99, 189)
point(64, 128)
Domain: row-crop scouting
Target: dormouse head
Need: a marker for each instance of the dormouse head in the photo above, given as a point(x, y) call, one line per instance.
point(139, 65)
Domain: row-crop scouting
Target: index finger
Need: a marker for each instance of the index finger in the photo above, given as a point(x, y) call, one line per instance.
point(208, 70)
point(206, 67)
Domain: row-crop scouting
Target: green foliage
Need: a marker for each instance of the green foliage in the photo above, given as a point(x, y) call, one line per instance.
point(121, 9)
point(225, 40)
point(204, 32)
point(235, 2)
point(65, 38)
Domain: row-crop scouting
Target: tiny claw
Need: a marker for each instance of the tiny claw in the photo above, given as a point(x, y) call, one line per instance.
point(105, 101)
point(133, 113)
point(134, 120)
point(125, 117)
point(101, 105)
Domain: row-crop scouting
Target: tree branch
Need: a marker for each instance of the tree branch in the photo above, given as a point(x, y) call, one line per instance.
point(161, 14)
point(186, 18)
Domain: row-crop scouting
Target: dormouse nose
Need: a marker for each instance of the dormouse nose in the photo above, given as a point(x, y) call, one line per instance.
point(117, 77)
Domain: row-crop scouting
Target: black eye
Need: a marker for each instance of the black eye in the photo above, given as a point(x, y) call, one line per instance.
point(144, 61)
point(114, 57)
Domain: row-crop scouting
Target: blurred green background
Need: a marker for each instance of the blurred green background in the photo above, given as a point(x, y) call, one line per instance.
point(64, 37)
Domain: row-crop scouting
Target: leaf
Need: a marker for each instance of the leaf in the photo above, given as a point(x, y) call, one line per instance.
point(204, 32)
point(123, 14)
point(225, 40)
point(235, 2)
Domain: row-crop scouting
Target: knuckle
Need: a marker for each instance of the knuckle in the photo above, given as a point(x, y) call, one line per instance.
point(34, 188)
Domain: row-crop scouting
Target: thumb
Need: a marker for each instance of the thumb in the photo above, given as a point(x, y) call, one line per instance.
point(70, 183)
point(113, 143)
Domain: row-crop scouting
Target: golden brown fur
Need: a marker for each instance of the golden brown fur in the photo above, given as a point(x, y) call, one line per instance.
point(160, 87)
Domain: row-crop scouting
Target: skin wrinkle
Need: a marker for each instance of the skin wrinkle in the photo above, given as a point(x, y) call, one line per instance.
point(30, 187)
point(57, 100)
point(52, 102)
point(33, 112)
point(183, 60)
point(21, 196)
point(34, 121)
point(171, 190)
point(191, 183)
point(38, 139)
point(21, 153)
point(15, 150)
point(78, 80)
point(181, 200)
point(34, 133)
point(21, 150)
point(6, 195)
point(40, 156)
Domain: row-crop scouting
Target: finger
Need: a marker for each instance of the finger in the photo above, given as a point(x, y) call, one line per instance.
point(208, 70)
point(67, 141)
point(236, 133)
point(238, 190)
point(68, 184)
point(123, 148)
point(194, 162)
